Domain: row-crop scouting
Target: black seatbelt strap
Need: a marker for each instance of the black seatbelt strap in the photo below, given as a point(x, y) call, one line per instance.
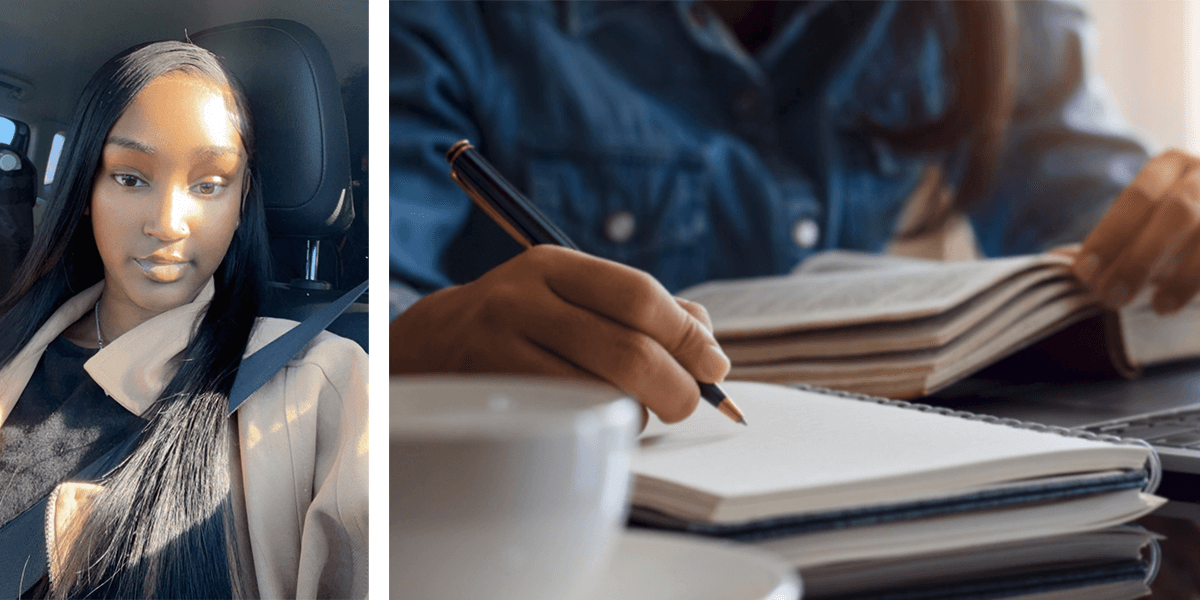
point(23, 558)
point(258, 368)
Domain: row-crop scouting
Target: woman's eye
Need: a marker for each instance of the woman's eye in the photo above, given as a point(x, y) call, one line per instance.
point(126, 180)
point(208, 188)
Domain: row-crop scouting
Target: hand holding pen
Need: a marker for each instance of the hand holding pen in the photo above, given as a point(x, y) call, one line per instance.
point(559, 312)
point(525, 223)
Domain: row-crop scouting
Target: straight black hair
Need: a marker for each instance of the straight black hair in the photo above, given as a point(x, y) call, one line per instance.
point(162, 527)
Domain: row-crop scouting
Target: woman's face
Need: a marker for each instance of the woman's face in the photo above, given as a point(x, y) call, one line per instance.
point(167, 195)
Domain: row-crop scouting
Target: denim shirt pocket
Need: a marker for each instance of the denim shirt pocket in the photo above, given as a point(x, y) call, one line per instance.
point(643, 210)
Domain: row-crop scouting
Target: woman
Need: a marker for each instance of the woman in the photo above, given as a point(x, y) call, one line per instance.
point(146, 273)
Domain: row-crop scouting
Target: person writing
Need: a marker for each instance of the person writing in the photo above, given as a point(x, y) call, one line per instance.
point(127, 323)
point(679, 142)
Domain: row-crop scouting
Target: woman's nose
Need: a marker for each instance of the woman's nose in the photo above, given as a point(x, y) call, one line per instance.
point(169, 220)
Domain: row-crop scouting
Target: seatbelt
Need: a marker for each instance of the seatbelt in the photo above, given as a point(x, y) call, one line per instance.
point(23, 559)
point(258, 368)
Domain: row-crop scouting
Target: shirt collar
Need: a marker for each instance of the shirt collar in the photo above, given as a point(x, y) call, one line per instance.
point(133, 369)
point(705, 27)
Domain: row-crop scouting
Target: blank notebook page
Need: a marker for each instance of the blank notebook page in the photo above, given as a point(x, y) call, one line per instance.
point(804, 451)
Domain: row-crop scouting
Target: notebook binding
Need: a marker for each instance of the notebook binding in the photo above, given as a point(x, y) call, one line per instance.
point(1153, 466)
point(1154, 561)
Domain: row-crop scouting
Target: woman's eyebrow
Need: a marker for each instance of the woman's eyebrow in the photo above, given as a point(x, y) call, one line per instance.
point(132, 144)
point(215, 151)
point(144, 148)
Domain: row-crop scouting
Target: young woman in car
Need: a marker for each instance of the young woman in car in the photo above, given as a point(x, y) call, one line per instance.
point(132, 313)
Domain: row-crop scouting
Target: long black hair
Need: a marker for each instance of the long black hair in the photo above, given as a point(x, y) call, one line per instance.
point(162, 526)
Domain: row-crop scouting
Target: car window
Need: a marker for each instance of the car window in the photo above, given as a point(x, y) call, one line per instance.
point(52, 161)
point(8, 129)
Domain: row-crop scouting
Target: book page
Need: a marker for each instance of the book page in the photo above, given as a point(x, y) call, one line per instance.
point(1020, 294)
point(808, 301)
point(1030, 317)
point(838, 261)
point(805, 452)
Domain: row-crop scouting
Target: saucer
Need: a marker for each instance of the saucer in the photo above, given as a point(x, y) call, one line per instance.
point(661, 566)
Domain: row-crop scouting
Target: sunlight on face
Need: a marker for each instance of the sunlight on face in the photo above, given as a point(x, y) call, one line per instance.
point(167, 196)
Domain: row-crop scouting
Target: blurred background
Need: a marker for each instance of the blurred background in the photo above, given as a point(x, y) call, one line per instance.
point(1148, 54)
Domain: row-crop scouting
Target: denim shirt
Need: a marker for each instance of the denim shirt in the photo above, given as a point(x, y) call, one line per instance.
point(652, 137)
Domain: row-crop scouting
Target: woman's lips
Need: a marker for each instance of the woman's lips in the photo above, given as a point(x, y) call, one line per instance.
point(162, 271)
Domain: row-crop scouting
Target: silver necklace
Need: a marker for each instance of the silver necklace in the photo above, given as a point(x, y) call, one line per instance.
point(99, 338)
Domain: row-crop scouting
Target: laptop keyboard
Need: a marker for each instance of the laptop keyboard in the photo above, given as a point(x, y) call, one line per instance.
point(1176, 430)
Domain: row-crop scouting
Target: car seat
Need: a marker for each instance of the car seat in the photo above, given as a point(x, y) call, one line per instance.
point(18, 194)
point(302, 153)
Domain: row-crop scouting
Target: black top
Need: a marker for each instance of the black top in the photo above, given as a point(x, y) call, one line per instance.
point(62, 422)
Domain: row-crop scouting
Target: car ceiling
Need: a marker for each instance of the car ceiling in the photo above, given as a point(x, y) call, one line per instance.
point(56, 45)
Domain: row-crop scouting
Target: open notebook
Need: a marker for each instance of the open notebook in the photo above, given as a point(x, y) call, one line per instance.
point(823, 478)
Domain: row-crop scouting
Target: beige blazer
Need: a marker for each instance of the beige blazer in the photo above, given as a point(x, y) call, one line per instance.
point(300, 457)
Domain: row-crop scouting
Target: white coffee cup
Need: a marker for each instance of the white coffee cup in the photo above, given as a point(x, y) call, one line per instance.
point(505, 487)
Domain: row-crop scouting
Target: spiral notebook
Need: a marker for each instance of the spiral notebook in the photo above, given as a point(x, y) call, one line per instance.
point(822, 477)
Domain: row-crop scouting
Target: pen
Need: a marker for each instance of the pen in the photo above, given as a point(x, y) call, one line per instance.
point(509, 208)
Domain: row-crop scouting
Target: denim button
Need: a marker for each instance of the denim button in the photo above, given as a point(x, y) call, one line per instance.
point(619, 227)
point(9, 161)
point(805, 233)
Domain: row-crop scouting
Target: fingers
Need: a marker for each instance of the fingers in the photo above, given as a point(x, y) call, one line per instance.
point(1174, 217)
point(636, 300)
point(1070, 251)
point(697, 311)
point(1146, 235)
point(1130, 210)
point(559, 312)
point(629, 359)
point(1181, 278)
point(529, 357)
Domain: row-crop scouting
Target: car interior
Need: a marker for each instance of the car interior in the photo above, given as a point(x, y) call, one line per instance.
point(303, 67)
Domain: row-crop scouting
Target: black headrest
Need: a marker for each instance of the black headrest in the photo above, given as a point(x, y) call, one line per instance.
point(300, 126)
point(18, 177)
